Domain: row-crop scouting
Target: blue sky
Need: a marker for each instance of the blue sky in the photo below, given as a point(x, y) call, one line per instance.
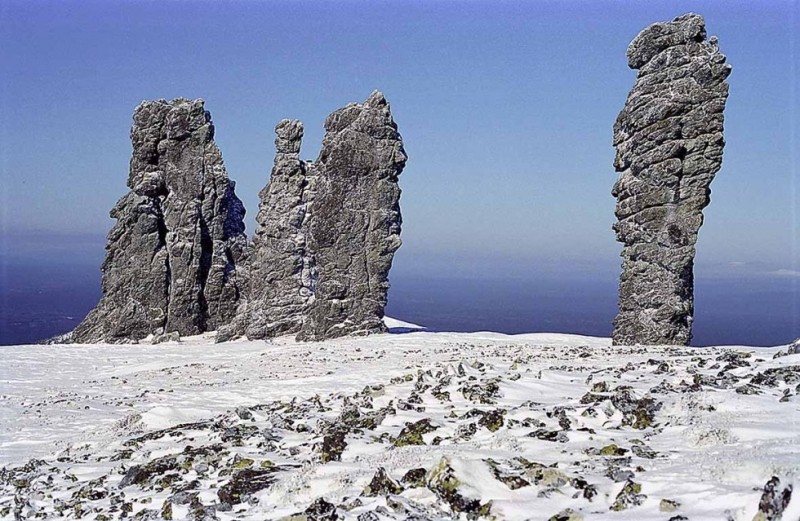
point(506, 111)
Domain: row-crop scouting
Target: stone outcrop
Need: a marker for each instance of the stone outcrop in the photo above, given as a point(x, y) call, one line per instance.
point(327, 231)
point(171, 262)
point(669, 145)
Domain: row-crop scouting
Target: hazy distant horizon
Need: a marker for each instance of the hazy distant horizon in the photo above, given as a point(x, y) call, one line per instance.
point(51, 280)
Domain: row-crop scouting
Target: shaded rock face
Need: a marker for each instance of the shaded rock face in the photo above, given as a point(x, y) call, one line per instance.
point(171, 262)
point(669, 145)
point(327, 231)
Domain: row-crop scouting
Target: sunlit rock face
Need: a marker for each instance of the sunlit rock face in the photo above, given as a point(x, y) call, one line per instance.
point(327, 230)
point(172, 256)
point(669, 141)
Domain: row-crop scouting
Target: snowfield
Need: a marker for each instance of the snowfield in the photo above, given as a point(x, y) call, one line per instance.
point(419, 425)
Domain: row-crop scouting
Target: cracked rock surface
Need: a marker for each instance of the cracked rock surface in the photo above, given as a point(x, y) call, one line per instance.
point(171, 261)
point(669, 141)
point(327, 230)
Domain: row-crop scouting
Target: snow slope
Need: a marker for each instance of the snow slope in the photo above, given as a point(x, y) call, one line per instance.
point(511, 426)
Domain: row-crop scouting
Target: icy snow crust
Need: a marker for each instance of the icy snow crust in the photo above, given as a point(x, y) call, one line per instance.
point(511, 426)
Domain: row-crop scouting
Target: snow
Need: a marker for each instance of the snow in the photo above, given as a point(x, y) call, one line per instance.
point(715, 447)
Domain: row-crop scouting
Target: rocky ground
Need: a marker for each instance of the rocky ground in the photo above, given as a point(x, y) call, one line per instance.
point(415, 426)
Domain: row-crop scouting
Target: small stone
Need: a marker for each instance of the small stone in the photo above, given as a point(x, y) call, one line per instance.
point(629, 496)
point(493, 420)
point(546, 435)
point(613, 450)
point(566, 515)
point(668, 505)
point(643, 451)
point(412, 433)
point(321, 510)
point(142, 474)
point(173, 336)
point(244, 413)
point(748, 389)
point(333, 446)
point(245, 482)
point(774, 500)
point(414, 477)
point(382, 485)
point(442, 480)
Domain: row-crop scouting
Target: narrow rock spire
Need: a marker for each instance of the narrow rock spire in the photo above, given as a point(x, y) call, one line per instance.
point(355, 222)
point(669, 145)
point(282, 270)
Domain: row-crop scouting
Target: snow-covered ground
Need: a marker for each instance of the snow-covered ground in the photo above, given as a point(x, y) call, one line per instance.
point(416, 425)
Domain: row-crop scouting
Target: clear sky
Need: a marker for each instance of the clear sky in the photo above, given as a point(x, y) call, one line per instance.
point(506, 111)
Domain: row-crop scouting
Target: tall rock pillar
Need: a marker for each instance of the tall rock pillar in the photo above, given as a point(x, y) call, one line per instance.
point(669, 145)
point(171, 257)
point(326, 231)
point(354, 226)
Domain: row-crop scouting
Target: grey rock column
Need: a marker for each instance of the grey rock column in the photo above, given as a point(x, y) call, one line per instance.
point(282, 270)
point(354, 227)
point(669, 145)
point(326, 231)
point(171, 257)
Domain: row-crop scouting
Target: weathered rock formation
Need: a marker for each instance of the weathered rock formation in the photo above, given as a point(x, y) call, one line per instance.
point(282, 272)
point(327, 231)
point(171, 262)
point(669, 147)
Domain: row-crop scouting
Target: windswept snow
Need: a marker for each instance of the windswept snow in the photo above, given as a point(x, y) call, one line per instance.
point(516, 426)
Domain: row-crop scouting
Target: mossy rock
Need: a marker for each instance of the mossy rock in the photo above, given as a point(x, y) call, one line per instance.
point(166, 510)
point(415, 477)
point(512, 481)
point(483, 392)
point(493, 420)
point(333, 446)
point(548, 477)
point(382, 485)
point(244, 483)
point(143, 474)
point(630, 496)
point(613, 450)
point(412, 433)
point(443, 482)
